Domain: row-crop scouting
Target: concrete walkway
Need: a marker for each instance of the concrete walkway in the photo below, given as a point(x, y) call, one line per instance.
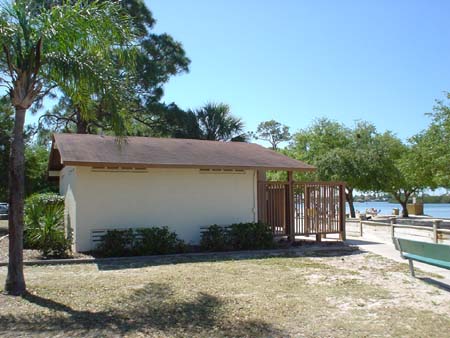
point(388, 250)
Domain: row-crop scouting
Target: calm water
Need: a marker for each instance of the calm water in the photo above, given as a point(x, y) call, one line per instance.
point(431, 209)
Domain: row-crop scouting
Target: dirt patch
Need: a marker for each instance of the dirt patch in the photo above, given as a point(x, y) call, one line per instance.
point(339, 296)
point(28, 255)
point(3, 228)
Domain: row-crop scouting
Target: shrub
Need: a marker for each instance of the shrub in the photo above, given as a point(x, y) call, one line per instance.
point(247, 236)
point(157, 241)
point(117, 243)
point(239, 236)
point(142, 241)
point(215, 238)
point(44, 200)
point(44, 225)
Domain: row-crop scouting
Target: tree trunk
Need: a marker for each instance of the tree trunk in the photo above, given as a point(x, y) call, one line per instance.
point(349, 198)
point(403, 202)
point(273, 144)
point(82, 126)
point(404, 208)
point(15, 280)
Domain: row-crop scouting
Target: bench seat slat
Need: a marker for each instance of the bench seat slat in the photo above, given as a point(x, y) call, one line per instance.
point(440, 252)
point(430, 261)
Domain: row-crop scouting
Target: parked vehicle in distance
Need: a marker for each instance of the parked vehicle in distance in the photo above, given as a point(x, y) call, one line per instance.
point(4, 208)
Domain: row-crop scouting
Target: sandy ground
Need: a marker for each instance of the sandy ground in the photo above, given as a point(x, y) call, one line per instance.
point(358, 295)
point(3, 227)
point(387, 250)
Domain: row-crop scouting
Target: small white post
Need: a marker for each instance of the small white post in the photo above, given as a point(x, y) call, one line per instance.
point(411, 268)
point(393, 220)
point(360, 228)
point(436, 225)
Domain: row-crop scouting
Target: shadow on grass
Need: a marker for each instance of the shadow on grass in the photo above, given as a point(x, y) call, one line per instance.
point(140, 262)
point(438, 284)
point(153, 309)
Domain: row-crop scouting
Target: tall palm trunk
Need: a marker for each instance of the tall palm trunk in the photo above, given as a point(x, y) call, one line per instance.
point(15, 281)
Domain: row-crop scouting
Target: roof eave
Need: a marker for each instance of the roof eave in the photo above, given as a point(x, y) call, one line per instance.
point(185, 166)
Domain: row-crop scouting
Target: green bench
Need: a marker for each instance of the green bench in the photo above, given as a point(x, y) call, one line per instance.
point(429, 253)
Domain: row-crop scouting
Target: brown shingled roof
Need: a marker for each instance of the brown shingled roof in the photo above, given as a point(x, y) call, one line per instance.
point(96, 150)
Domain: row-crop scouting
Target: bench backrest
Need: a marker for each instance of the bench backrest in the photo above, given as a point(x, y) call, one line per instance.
point(430, 250)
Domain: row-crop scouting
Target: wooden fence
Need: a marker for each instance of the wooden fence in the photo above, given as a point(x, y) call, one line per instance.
point(302, 208)
point(434, 232)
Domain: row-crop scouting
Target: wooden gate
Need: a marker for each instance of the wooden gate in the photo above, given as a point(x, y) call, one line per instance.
point(302, 208)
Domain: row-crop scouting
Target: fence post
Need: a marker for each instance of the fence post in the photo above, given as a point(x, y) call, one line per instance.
point(360, 227)
point(393, 221)
point(291, 207)
point(342, 235)
point(307, 210)
point(436, 225)
point(261, 196)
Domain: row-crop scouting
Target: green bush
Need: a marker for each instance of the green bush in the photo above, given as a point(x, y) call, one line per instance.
point(157, 241)
point(248, 236)
point(44, 199)
point(215, 238)
point(117, 243)
point(44, 225)
point(160, 240)
point(140, 242)
point(239, 236)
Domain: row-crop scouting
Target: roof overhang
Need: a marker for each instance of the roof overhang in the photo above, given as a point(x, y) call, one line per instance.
point(184, 166)
point(71, 149)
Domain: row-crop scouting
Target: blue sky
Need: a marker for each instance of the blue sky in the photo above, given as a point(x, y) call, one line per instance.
point(295, 61)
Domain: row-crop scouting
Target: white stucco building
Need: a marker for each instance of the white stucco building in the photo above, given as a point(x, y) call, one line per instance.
point(145, 182)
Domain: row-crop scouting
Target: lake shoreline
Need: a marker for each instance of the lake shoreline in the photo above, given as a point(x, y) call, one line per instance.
point(395, 202)
point(438, 210)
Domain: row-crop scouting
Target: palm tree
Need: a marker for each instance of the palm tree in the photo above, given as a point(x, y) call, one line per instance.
point(158, 56)
point(70, 46)
point(218, 124)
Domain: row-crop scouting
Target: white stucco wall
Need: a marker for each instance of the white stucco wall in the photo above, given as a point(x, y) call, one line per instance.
point(183, 199)
point(67, 180)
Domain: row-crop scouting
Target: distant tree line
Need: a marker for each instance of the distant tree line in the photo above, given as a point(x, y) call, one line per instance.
point(434, 198)
point(372, 161)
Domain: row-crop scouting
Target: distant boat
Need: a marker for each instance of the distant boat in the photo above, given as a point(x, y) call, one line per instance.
point(372, 211)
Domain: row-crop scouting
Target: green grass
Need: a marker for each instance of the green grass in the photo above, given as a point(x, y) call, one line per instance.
point(281, 296)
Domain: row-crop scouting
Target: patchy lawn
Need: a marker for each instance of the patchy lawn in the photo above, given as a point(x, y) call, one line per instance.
point(342, 296)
